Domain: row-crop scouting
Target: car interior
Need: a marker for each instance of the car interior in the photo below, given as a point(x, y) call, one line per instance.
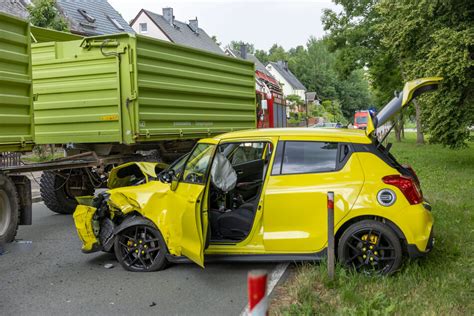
point(237, 177)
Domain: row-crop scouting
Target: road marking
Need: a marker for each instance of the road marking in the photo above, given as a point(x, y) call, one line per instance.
point(276, 275)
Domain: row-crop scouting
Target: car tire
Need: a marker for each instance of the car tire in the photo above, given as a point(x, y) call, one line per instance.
point(9, 210)
point(370, 247)
point(141, 248)
point(54, 192)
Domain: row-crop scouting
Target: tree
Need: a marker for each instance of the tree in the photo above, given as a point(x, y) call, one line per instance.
point(262, 55)
point(214, 38)
point(402, 40)
point(43, 13)
point(435, 38)
point(316, 67)
point(235, 45)
point(277, 52)
point(295, 100)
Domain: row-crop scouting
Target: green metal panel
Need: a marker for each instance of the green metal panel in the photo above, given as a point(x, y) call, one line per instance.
point(188, 93)
point(41, 35)
point(16, 117)
point(123, 89)
point(77, 94)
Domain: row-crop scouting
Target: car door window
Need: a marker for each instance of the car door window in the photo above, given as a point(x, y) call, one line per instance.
point(308, 157)
point(197, 165)
point(247, 152)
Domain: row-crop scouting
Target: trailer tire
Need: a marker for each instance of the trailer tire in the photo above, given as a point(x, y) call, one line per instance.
point(54, 191)
point(9, 210)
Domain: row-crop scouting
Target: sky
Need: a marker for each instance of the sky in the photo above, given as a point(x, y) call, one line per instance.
point(260, 22)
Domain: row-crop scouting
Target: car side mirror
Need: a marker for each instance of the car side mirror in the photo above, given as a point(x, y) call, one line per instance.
point(171, 177)
point(174, 184)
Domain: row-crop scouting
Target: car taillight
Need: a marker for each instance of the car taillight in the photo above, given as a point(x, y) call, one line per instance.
point(407, 185)
point(412, 171)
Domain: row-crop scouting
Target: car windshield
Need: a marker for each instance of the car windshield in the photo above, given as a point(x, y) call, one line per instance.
point(361, 119)
point(198, 163)
point(178, 164)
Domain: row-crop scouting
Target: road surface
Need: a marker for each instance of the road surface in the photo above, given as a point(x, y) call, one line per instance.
point(50, 275)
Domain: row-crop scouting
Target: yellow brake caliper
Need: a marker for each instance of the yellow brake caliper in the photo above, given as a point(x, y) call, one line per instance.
point(372, 239)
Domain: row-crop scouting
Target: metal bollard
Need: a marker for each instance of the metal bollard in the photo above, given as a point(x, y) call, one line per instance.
point(331, 235)
point(257, 290)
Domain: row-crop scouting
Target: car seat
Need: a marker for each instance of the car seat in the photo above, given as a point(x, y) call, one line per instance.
point(236, 224)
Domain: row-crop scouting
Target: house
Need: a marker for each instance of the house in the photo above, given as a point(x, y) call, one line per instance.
point(291, 84)
point(15, 7)
point(312, 98)
point(271, 104)
point(167, 28)
point(92, 17)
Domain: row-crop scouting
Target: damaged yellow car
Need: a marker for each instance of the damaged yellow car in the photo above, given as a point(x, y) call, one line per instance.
point(260, 195)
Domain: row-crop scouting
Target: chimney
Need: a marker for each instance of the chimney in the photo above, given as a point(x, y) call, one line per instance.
point(243, 51)
point(283, 64)
point(193, 24)
point(168, 15)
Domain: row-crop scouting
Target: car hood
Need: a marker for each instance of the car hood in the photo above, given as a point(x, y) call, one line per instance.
point(124, 174)
point(135, 198)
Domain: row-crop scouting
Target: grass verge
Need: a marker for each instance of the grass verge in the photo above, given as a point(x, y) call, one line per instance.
point(440, 284)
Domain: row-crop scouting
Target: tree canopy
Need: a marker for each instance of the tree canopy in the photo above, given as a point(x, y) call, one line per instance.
point(316, 67)
point(402, 40)
point(43, 13)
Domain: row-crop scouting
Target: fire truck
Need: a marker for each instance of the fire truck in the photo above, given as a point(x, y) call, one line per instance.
point(271, 104)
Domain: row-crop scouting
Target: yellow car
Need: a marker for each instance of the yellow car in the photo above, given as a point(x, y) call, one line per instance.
point(261, 195)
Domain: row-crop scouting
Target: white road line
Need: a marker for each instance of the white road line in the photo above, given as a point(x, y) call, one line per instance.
point(275, 276)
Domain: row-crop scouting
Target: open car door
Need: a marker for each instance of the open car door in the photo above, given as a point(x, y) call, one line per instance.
point(188, 190)
point(411, 90)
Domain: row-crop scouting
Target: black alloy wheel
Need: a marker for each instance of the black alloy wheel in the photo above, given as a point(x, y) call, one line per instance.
point(141, 248)
point(370, 247)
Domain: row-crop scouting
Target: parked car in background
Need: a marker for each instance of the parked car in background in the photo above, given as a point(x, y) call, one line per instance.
point(327, 125)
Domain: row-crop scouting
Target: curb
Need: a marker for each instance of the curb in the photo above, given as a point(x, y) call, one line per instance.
point(36, 199)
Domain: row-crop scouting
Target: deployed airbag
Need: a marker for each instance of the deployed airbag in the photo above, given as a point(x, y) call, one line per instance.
point(223, 175)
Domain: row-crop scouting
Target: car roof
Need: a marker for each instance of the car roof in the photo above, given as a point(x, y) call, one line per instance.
point(349, 135)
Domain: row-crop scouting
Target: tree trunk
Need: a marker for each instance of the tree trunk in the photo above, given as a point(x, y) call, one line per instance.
point(420, 138)
point(402, 126)
point(397, 130)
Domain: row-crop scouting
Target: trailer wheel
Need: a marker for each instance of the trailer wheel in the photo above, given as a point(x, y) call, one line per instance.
point(60, 189)
point(9, 210)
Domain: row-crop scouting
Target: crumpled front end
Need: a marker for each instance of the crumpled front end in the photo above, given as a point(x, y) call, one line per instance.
point(98, 219)
point(134, 173)
point(87, 228)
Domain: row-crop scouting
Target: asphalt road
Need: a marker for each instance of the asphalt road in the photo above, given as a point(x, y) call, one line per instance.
point(50, 275)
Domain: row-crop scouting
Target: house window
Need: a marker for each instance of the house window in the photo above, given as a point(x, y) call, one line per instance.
point(143, 28)
point(115, 23)
point(89, 18)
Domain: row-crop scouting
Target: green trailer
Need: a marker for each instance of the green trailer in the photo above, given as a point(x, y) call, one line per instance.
point(16, 122)
point(133, 90)
point(118, 98)
point(16, 106)
point(105, 100)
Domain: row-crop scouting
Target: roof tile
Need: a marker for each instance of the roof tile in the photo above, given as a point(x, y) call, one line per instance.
point(181, 33)
point(100, 10)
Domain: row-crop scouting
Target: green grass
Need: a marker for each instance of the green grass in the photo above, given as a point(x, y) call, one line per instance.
point(35, 158)
point(440, 284)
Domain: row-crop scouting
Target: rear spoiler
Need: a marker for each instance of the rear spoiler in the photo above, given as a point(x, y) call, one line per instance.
point(411, 90)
